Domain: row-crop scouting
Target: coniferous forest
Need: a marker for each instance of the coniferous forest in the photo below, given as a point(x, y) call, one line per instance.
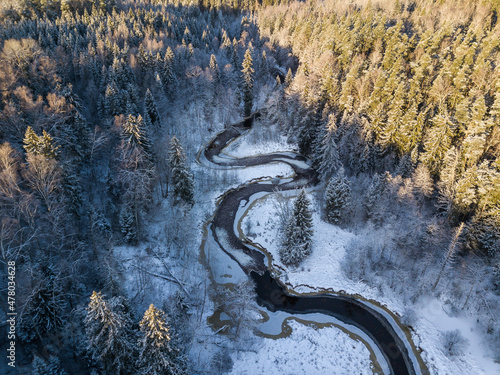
point(106, 197)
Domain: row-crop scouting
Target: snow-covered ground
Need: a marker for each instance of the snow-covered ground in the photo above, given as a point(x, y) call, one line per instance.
point(307, 350)
point(246, 146)
point(323, 270)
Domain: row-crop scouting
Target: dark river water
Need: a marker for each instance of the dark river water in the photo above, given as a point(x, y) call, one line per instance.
point(270, 293)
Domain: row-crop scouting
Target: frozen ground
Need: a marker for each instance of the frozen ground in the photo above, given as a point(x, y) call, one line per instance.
point(322, 270)
point(247, 145)
point(306, 351)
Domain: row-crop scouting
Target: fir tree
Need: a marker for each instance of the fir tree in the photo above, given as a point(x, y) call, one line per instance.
point(181, 178)
point(157, 353)
point(288, 78)
point(247, 83)
point(45, 309)
point(167, 74)
point(374, 197)
point(297, 242)
point(50, 367)
point(135, 133)
point(107, 327)
point(31, 143)
point(337, 197)
point(214, 68)
point(329, 154)
point(128, 225)
point(151, 108)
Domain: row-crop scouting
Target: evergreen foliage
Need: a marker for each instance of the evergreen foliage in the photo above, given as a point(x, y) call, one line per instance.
point(50, 367)
point(128, 226)
point(110, 342)
point(298, 232)
point(151, 109)
point(181, 177)
point(337, 198)
point(247, 83)
point(158, 354)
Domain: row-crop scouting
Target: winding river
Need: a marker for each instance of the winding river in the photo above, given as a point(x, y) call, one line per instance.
point(399, 353)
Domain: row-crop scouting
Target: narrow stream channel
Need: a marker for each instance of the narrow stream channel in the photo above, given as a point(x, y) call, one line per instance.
point(398, 352)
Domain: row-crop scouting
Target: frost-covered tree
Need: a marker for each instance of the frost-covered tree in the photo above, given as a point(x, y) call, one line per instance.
point(50, 367)
point(109, 337)
point(40, 145)
point(151, 108)
point(158, 355)
point(297, 242)
point(337, 197)
point(181, 177)
point(247, 83)
point(330, 159)
point(135, 134)
point(44, 312)
point(374, 198)
point(128, 226)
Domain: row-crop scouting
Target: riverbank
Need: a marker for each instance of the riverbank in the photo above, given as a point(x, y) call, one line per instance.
point(323, 270)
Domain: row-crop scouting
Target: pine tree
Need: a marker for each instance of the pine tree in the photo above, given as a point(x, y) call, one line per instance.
point(110, 341)
point(297, 242)
point(337, 197)
point(181, 178)
point(151, 108)
point(157, 354)
point(247, 83)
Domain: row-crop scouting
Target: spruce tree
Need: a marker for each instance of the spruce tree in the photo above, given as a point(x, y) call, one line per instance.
point(31, 143)
point(135, 133)
point(128, 226)
point(50, 367)
point(337, 197)
point(329, 154)
point(247, 83)
point(182, 179)
point(151, 108)
point(297, 242)
point(167, 74)
point(157, 353)
point(214, 68)
point(110, 341)
point(44, 312)
point(288, 78)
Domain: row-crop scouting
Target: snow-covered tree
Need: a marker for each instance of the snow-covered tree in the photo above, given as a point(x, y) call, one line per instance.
point(151, 108)
point(158, 355)
point(247, 83)
point(50, 367)
point(44, 311)
point(337, 197)
point(109, 337)
point(330, 159)
point(297, 238)
point(128, 226)
point(135, 133)
point(181, 177)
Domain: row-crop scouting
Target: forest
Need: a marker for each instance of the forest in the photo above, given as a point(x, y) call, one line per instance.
point(105, 201)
